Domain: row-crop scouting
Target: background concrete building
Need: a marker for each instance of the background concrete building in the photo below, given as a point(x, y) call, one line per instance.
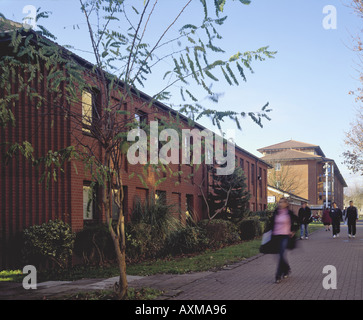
point(304, 170)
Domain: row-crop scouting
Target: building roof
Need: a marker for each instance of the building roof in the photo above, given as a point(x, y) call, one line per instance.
point(286, 193)
point(291, 144)
point(8, 25)
point(290, 154)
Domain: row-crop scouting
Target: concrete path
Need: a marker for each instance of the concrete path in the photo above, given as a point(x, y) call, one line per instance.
point(251, 279)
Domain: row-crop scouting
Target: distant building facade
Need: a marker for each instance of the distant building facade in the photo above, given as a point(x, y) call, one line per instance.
point(303, 170)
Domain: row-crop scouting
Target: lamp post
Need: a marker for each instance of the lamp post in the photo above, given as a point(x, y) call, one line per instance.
point(326, 166)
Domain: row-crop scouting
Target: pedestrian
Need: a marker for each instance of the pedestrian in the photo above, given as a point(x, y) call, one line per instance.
point(284, 226)
point(304, 219)
point(352, 218)
point(326, 219)
point(336, 218)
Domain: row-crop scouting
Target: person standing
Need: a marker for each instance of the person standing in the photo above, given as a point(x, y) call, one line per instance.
point(326, 219)
point(284, 226)
point(336, 217)
point(304, 219)
point(352, 218)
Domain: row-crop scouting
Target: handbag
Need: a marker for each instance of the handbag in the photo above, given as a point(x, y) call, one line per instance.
point(271, 245)
point(268, 244)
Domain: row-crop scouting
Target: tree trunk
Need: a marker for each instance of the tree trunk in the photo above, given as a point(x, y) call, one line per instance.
point(119, 241)
point(121, 261)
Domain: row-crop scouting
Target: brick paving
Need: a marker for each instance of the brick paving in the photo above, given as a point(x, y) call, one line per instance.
point(255, 280)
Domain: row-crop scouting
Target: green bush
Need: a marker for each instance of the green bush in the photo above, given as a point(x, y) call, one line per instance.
point(53, 241)
point(219, 232)
point(183, 240)
point(143, 241)
point(152, 222)
point(157, 214)
point(94, 244)
point(250, 228)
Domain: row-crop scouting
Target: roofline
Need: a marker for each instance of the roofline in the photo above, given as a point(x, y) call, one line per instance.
point(312, 146)
point(142, 94)
point(289, 193)
point(290, 159)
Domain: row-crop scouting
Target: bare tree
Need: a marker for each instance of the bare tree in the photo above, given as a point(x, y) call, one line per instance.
point(285, 177)
point(354, 193)
point(354, 137)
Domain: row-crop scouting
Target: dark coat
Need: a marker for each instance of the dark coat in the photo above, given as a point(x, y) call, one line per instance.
point(336, 215)
point(326, 217)
point(352, 214)
point(304, 215)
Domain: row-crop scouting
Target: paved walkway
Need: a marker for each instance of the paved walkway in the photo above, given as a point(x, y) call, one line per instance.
point(252, 279)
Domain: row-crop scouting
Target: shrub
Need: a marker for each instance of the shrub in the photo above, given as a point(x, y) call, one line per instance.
point(219, 232)
point(156, 214)
point(152, 221)
point(143, 241)
point(94, 244)
point(250, 228)
point(183, 240)
point(53, 241)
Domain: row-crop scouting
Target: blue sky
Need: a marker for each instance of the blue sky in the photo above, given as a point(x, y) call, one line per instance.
point(307, 84)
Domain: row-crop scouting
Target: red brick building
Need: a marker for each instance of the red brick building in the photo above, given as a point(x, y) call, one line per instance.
point(25, 202)
point(303, 166)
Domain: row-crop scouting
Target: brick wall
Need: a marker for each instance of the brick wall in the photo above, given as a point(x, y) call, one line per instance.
point(25, 202)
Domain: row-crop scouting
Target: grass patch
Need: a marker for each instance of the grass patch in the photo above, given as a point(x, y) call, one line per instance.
point(132, 294)
point(209, 260)
point(11, 275)
point(314, 226)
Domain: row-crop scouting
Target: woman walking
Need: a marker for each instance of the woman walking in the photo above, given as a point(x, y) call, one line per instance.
point(326, 219)
point(284, 225)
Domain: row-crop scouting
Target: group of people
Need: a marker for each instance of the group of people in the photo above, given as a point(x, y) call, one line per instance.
point(285, 224)
point(334, 216)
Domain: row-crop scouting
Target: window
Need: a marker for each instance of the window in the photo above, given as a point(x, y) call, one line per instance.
point(86, 111)
point(88, 200)
point(241, 163)
point(248, 176)
point(141, 118)
point(89, 110)
point(253, 179)
point(252, 174)
point(190, 207)
point(114, 206)
point(277, 166)
point(160, 196)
